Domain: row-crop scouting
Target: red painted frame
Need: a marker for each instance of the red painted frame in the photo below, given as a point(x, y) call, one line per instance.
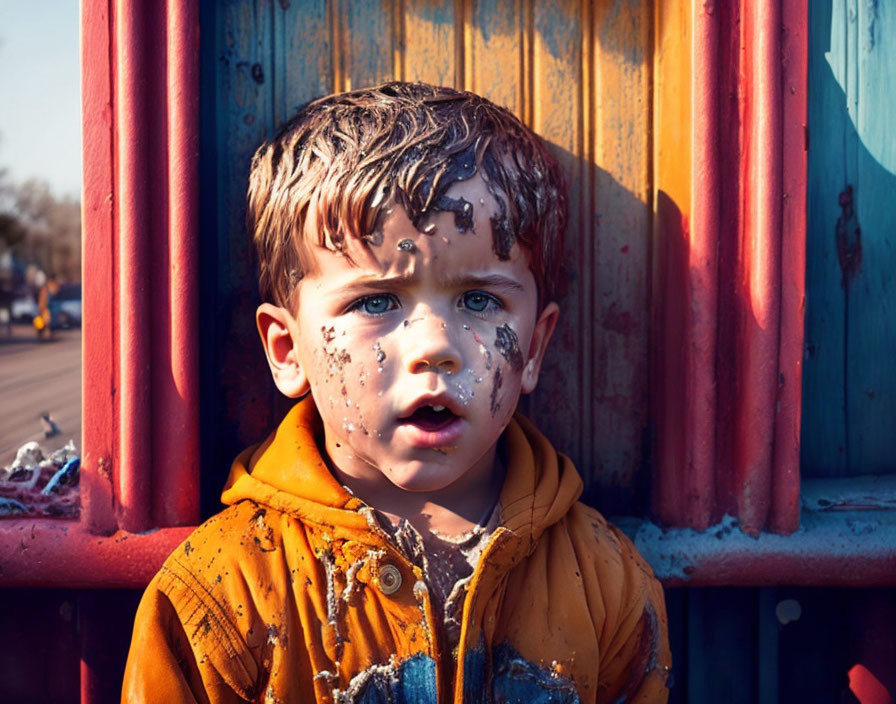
point(730, 274)
point(139, 474)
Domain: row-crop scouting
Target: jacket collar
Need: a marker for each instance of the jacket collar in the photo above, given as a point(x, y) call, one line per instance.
point(288, 473)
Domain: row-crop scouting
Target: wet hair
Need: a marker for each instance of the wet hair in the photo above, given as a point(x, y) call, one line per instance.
point(332, 171)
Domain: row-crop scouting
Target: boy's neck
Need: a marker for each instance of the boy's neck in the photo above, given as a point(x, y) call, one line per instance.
point(451, 511)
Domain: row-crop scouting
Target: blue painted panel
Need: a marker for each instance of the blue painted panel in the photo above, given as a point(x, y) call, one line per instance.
point(242, 397)
point(872, 299)
point(849, 391)
point(368, 38)
point(302, 54)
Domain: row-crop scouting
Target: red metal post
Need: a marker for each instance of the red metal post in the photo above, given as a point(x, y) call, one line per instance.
point(133, 209)
point(51, 553)
point(98, 338)
point(728, 333)
point(176, 488)
point(700, 354)
point(795, 60)
point(141, 106)
point(760, 263)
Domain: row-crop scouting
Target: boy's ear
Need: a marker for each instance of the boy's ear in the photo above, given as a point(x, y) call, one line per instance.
point(277, 327)
point(544, 328)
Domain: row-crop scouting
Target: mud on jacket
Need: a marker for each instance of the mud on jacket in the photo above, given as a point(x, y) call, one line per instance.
point(294, 594)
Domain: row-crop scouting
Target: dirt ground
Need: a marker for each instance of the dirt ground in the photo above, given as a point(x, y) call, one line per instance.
point(38, 378)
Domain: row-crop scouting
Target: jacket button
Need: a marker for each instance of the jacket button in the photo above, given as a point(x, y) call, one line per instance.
point(389, 579)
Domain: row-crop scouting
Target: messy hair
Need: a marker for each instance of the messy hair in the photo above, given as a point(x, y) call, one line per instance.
point(331, 172)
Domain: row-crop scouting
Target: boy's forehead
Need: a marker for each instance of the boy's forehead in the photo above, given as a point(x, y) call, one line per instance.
point(453, 239)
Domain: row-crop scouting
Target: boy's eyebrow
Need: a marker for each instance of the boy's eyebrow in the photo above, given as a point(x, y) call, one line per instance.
point(388, 283)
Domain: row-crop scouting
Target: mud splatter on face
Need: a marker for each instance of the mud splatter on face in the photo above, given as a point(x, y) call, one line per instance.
point(508, 344)
point(407, 246)
point(496, 387)
point(336, 361)
point(462, 209)
point(502, 237)
point(380, 355)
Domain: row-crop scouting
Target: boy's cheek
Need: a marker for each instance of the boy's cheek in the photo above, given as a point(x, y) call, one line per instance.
point(348, 378)
point(489, 383)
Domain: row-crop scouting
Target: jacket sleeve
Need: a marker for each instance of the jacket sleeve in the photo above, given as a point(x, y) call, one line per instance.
point(162, 665)
point(636, 661)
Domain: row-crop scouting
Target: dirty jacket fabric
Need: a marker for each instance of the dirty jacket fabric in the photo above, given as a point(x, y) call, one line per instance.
point(294, 594)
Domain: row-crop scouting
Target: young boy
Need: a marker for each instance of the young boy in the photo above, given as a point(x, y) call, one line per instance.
point(403, 536)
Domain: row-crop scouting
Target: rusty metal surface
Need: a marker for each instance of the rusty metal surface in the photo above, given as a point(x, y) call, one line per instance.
point(54, 553)
point(727, 304)
point(838, 548)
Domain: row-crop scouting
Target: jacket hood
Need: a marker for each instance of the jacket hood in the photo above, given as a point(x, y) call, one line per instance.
point(287, 473)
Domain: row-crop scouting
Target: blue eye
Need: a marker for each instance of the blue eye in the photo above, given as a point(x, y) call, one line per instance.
point(479, 301)
point(376, 304)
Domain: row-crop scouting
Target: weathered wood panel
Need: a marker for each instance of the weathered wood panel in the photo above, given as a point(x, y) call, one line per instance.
point(617, 122)
point(850, 368)
point(871, 365)
point(241, 398)
point(578, 73)
point(431, 47)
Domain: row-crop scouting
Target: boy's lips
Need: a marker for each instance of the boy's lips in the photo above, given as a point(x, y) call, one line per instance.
point(432, 422)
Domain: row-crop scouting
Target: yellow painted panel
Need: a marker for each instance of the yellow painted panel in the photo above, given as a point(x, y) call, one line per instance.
point(432, 43)
point(672, 101)
point(494, 33)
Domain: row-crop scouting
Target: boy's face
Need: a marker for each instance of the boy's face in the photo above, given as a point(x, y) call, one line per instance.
point(417, 351)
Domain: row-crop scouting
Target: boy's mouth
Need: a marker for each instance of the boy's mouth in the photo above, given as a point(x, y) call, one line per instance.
point(431, 418)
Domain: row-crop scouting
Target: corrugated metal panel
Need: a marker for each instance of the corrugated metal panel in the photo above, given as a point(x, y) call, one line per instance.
point(727, 302)
point(579, 74)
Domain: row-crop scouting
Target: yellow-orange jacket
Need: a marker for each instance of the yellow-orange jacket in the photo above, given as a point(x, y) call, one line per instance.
point(293, 594)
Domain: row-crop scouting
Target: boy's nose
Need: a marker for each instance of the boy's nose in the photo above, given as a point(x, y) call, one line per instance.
point(429, 347)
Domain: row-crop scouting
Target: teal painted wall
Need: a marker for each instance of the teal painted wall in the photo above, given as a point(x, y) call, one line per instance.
point(849, 387)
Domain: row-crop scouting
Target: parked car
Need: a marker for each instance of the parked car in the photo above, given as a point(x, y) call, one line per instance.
point(67, 306)
point(24, 308)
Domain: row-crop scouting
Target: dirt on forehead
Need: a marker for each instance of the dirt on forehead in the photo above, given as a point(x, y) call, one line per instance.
point(346, 158)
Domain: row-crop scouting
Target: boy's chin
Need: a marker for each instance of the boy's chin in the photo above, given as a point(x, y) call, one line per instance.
point(427, 478)
point(423, 480)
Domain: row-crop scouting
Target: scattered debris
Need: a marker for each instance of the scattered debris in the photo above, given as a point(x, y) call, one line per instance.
point(50, 427)
point(37, 485)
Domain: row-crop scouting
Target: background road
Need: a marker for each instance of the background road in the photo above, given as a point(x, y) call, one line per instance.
point(36, 378)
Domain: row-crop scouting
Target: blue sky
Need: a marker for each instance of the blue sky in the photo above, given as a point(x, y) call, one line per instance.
point(40, 130)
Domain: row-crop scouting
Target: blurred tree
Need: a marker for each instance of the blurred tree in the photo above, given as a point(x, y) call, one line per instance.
point(41, 228)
